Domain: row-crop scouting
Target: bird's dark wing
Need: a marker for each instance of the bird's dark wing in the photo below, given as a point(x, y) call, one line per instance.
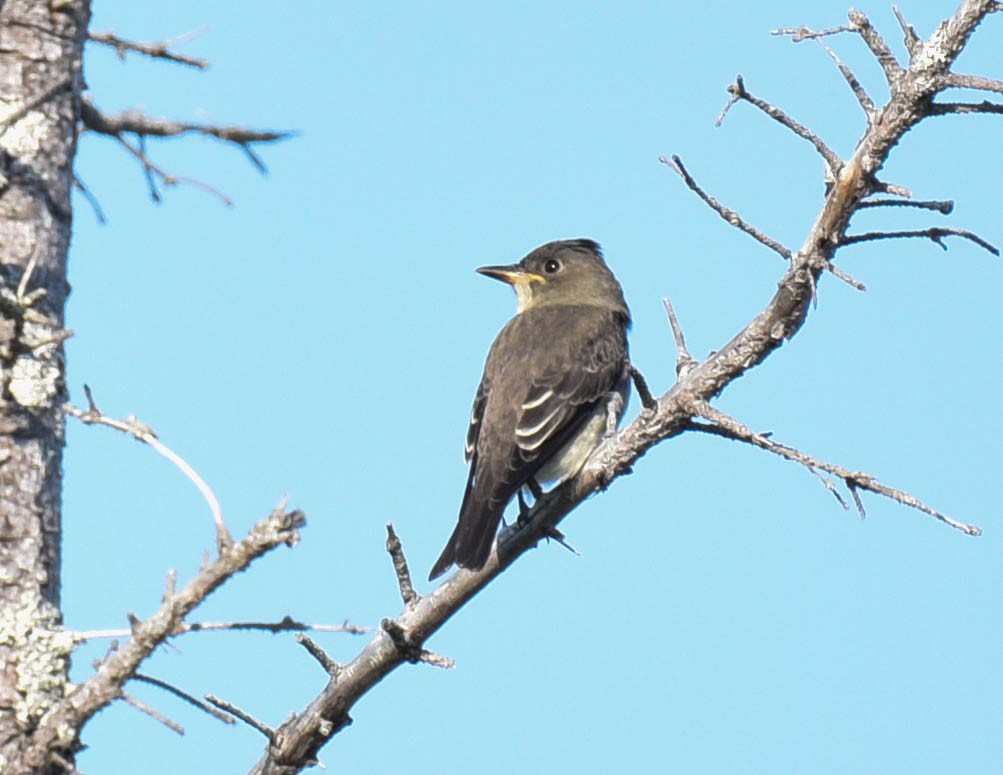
point(536, 401)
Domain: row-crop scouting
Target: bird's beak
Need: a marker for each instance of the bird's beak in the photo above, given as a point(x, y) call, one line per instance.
point(511, 274)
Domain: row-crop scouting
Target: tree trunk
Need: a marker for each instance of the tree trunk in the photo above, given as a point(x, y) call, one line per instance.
point(41, 46)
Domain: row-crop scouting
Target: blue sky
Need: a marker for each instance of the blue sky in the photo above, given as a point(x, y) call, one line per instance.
point(322, 339)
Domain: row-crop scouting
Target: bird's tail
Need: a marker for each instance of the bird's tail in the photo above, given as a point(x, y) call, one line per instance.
point(470, 544)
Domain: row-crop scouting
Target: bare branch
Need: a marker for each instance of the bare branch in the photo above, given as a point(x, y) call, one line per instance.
point(961, 108)
point(731, 428)
point(247, 718)
point(738, 91)
point(798, 34)
point(185, 696)
point(944, 207)
point(91, 200)
point(956, 81)
point(156, 715)
point(277, 529)
point(331, 667)
point(138, 123)
point(844, 276)
point(676, 164)
point(862, 25)
point(396, 552)
point(866, 103)
point(684, 361)
point(286, 624)
point(910, 39)
point(161, 50)
point(936, 234)
point(141, 432)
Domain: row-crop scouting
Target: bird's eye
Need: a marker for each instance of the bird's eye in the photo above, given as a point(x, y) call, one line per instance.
point(552, 266)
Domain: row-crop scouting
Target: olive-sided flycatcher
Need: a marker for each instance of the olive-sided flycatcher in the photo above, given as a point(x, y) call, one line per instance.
point(541, 407)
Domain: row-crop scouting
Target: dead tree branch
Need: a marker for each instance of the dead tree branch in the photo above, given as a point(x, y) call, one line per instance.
point(160, 50)
point(935, 234)
point(142, 126)
point(142, 432)
point(279, 528)
point(676, 165)
point(296, 743)
point(729, 428)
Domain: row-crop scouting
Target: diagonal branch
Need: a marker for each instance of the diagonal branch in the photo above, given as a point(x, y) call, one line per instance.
point(676, 164)
point(738, 92)
point(723, 425)
point(862, 26)
point(298, 741)
point(279, 528)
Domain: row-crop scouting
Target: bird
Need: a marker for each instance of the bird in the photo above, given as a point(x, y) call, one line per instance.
point(553, 375)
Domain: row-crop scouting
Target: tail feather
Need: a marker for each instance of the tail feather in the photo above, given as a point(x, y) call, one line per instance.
point(470, 544)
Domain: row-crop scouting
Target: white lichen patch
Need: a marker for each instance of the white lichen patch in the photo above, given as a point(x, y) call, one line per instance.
point(23, 138)
point(33, 383)
point(31, 629)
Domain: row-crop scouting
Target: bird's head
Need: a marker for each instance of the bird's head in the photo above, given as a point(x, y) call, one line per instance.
point(568, 272)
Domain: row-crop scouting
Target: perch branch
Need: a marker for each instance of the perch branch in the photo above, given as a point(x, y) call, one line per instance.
point(300, 738)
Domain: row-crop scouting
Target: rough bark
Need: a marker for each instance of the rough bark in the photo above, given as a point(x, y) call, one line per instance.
point(41, 46)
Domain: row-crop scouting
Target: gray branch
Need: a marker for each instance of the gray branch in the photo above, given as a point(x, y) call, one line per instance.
point(297, 742)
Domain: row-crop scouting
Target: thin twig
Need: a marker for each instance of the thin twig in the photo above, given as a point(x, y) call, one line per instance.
point(396, 552)
point(413, 652)
point(879, 186)
point(684, 361)
point(944, 207)
point(862, 25)
point(248, 719)
point(738, 92)
point(159, 50)
point(153, 713)
point(152, 171)
point(909, 37)
point(723, 425)
point(676, 164)
point(844, 276)
point(963, 108)
point(935, 234)
point(286, 624)
point(798, 34)
point(332, 668)
point(866, 103)
point(141, 432)
point(92, 200)
point(183, 695)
